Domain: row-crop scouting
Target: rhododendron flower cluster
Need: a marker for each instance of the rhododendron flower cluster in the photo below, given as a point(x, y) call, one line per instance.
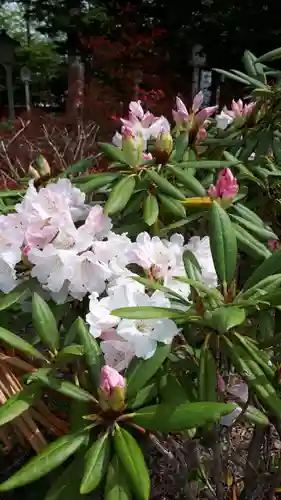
point(196, 117)
point(238, 109)
point(141, 124)
point(71, 249)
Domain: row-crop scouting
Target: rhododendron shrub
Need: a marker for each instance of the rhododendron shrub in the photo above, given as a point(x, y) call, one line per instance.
point(154, 292)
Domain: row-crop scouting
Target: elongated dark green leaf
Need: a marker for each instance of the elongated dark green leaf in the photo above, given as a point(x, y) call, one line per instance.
point(98, 182)
point(49, 459)
point(172, 206)
point(93, 354)
point(223, 243)
point(113, 152)
point(247, 214)
point(132, 459)
point(172, 391)
point(168, 418)
point(207, 374)
point(96, 463)
point(249, 244)
point(150, 209)
point(116, 487)
point(120, 195)
point(65, 488)
point(164, 185)
point(62, 386)
point(232, 76)
point(270, 266)
point(208, 164)
point(81, 166)
point(252, 81)
point(18, 403)
point(270, 56)
point(266, 286)
point(144, 396)
point(18, 343)
point(189, 181)
point(44, 322)
point(223, 318)
point(140, 371)
point(191, 265)
point(8, 299)
point(68, 353)
point(253, 374)
point(144, 312)
point(255, 416)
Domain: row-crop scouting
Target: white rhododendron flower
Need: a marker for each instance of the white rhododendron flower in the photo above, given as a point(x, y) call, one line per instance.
point(9, 257)
point(223, 120)
point(72, 261)
point(144, 334)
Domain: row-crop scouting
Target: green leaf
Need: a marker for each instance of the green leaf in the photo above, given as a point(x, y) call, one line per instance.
point(207, 374)
point(255, 416)
point(113, 152)
point(18, 343)
point(144, 396)
point(232, 76)
point(168, 418)
point(81, 166)
point(260, 289)
point(172, 206)
point(140, 371)
point(172, 391)
point(49, 459)
point(116, 487)
point(96, 463)
point(68, 353)
point(269, 267)
point(146, 312)
point(132, 459)
point(64, 488)
point(99, 181)
point(208, 164)
point(18, 403)
point(8, 299)
point(120, 195)
point(247, 214)
point(164, 185)
point(62, 386)
point(270, 56)
point(150, 209)
point(191, 266)
point(223, 243)
point(254, 376)
point(252, 81)
point(44, 322)
point(262, 233)
point(93, 354)
point(249, 244)
point(189, 181)
point(224, 318)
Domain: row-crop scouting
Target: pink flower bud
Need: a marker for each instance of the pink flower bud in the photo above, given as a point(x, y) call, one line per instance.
point(225, 187)
point(220, 384)
point(110, 379)
point(111, 390)
point(273, 244)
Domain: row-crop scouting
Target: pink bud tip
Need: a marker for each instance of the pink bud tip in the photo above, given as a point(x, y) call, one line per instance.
point(273, 244)
point(110, 379)
point(226, 185)
point(220, 384)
